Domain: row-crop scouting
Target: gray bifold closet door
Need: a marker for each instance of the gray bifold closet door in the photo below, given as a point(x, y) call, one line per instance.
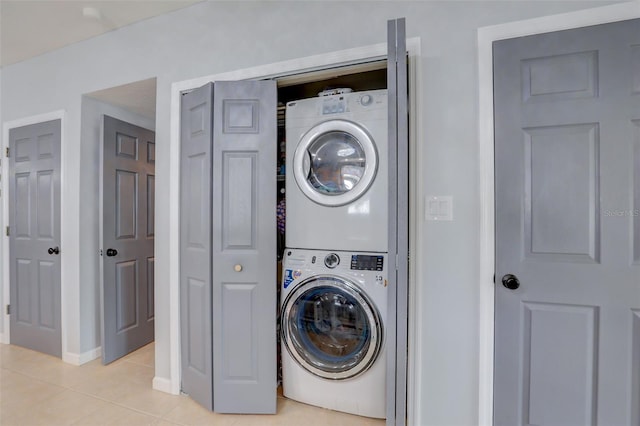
point(228, 246)
point(567, 296)
point(398, 228)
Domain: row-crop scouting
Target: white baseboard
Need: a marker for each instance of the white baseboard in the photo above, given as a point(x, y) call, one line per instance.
point(163, 385)
point(3, 339)
point(83, 358)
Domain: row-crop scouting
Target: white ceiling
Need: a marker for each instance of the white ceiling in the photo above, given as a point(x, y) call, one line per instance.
point(30, 28)
point(138, 97)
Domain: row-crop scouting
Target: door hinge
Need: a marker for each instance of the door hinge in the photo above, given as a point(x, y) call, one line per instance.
point(8, 309)
point(7, 152)
point(8, 231)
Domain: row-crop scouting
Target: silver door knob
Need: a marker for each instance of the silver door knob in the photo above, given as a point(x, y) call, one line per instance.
point(237, 268)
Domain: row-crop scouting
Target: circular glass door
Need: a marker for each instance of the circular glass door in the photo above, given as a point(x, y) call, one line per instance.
point(335, 162)
point(331, 328)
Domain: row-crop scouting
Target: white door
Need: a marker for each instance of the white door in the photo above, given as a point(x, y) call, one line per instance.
point(567, 296)
point(34, 236)
point(128, 199)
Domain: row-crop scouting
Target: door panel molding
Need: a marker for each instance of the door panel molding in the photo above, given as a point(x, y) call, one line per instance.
point(486, 37)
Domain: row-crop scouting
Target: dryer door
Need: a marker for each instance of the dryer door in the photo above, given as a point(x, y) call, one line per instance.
point(331, 328)
point(335, 162)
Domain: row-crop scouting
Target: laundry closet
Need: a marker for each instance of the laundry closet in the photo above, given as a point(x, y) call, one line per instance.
point(333, 334)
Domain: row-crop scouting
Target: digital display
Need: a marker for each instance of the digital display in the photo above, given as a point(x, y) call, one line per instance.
point(362, 262)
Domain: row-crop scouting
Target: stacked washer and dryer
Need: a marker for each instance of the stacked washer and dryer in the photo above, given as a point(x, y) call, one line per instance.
point(334, 284)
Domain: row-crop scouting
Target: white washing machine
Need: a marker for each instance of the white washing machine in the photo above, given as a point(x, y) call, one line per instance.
point(333, 313)
point(336, 180)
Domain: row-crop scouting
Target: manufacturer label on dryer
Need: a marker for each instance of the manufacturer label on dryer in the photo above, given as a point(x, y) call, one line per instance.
point(290, 276)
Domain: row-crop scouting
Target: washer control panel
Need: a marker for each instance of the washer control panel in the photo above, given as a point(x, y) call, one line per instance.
point(365, 262)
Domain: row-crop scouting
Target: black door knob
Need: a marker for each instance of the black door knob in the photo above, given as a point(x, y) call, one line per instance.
point(53, 250)
point(112, 252)
point(511, 282)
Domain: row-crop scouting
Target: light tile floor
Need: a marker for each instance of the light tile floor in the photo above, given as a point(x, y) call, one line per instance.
point(37, 389)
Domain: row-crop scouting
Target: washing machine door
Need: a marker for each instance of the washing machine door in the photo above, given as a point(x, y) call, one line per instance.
point(335, 162)
point(331, 328)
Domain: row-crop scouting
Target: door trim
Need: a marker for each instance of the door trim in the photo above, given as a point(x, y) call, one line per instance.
point(486, 37)
point(282, 70)
point(65, 261)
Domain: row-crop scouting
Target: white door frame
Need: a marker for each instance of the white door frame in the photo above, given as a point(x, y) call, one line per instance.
point(486, 37)
point(5, 333)
point(275, 70)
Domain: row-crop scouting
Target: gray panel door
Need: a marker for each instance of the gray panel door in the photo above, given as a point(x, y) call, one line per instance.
point(195, 245)
point(34, 243)
point(398, 227)
point(128, 190)
point(244, 247)
point(228, 246)
point(567, 141)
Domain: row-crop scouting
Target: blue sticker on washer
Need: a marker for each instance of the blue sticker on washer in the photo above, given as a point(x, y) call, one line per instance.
point(290, 276)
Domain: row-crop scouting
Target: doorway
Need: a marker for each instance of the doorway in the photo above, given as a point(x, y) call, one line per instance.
point(120, 120)
point(228, 188)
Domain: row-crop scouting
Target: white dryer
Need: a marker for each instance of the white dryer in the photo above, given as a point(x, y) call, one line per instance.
point(333, 313)
point(336, 180)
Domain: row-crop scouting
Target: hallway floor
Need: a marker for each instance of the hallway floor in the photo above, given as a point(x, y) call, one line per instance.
point(37, 389)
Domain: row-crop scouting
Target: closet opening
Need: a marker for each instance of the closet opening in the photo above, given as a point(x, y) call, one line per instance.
point(351, 78)
point(360, 90)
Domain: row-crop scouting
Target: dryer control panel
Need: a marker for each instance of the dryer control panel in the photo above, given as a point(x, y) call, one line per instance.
point(334, 105)
point(365, 262)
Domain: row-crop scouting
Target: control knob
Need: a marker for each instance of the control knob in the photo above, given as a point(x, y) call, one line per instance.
point(331, 260)
point(366, 100)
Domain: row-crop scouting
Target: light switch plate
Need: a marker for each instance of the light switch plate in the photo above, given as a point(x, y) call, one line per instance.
point(439, 208)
